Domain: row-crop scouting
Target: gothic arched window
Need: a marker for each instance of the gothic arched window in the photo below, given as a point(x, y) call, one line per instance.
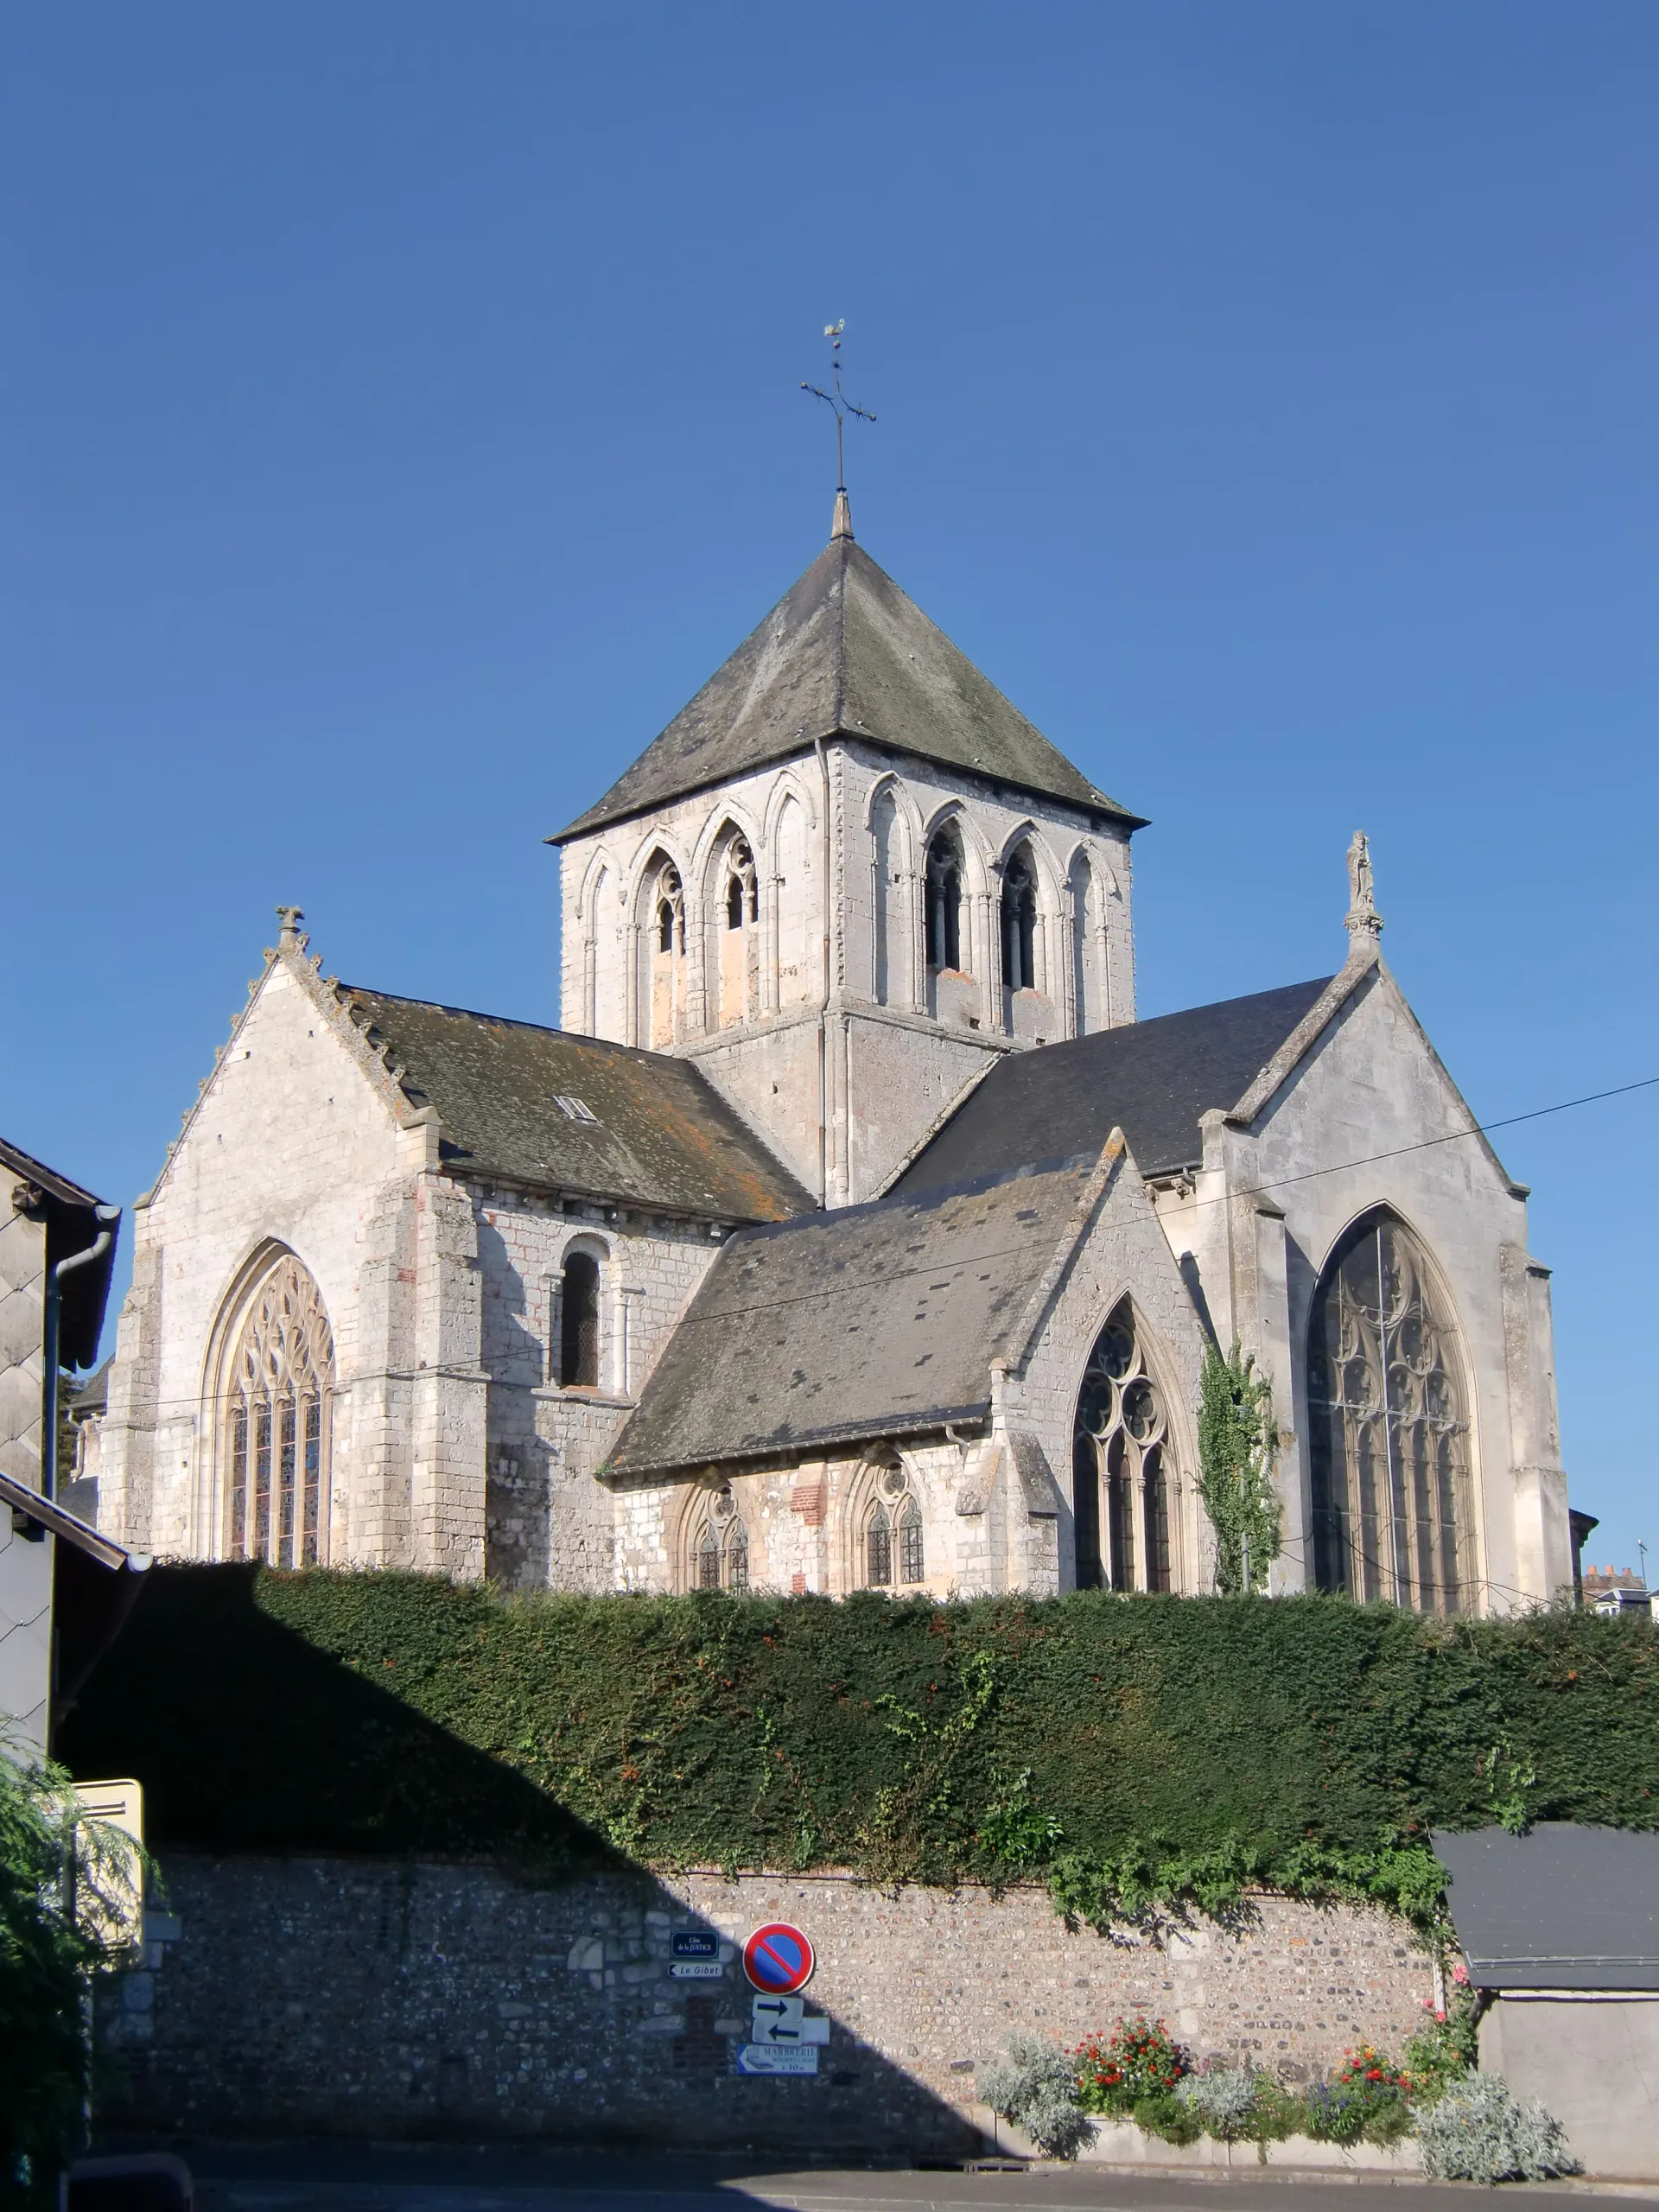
point(895, 1546)
point(579, 1322)
point(1019, 922)
point(720, 1557)
point(945, 899)
point(278, 1386)
point(1388, 1435)
point(1120, 1472)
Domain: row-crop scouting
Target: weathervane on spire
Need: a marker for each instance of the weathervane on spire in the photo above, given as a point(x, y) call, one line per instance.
point(841, 407)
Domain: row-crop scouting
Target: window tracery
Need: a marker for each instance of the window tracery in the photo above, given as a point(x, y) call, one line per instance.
point(720, 1557)
point(1392, 1513)
point(279, 1382)
point(894, 1544)
point(1121, 1471)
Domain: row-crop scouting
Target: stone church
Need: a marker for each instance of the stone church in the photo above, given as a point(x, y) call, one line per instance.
point(853, 1232)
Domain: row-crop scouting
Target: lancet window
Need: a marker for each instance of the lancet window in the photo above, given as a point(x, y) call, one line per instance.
point(945, 899)
point(1121, 1472)
point(738, 907)
point(279, 1385)
point(1389, 1433)
point(1019, 922)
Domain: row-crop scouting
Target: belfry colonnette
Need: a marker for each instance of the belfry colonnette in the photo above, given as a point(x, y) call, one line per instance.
point(852, 1232)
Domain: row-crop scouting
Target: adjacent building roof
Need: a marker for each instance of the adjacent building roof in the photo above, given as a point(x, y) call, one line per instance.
point(844, 654)
point(1152, 1079)
point(541, 1106)
point(1562, 1907)
point(75, 1220)
point(874, 1320)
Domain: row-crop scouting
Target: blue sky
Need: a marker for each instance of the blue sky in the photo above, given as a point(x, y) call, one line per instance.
point(402, 418)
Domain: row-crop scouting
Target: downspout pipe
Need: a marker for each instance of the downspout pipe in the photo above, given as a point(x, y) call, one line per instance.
point(49, 1338)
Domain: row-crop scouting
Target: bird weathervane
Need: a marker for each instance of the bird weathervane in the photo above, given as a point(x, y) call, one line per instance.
point(841, 407)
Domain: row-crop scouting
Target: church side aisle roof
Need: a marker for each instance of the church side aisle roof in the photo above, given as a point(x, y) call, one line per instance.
point(1152, 1079)
point(874, 1320)
point(661, 1135)
point(845, 653)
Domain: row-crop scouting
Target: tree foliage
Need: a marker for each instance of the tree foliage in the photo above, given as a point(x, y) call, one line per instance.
point(59, 1876)
point(1238, 1442)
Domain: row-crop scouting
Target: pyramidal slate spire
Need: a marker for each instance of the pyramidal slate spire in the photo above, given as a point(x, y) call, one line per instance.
point(844, 654)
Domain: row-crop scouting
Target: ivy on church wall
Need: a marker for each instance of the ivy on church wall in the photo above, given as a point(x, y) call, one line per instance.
point(1131, 1751)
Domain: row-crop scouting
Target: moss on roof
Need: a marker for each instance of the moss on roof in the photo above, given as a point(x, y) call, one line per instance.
point(513, 1099)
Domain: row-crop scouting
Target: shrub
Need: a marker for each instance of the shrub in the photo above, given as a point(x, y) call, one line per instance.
point(1166, 2113)
point(1037, 2091)
point(1445, 2048)
point(48, 1855)
point(1222, 2102)
point(1368, 2099)
point(1140, 2058)
point(1134, 1753)
point(1477, 2132)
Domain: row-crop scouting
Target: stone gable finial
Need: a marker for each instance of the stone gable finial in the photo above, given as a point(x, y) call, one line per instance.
point(290, 918)
point(1364, 922)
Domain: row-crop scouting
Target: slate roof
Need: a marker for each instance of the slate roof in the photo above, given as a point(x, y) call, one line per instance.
point(661, 1135)
point(1152, 1079)
point(1562, 1907)
point(872, 1320)
point(844, 653)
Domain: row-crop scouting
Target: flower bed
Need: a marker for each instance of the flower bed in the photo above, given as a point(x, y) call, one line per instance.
point(1142, 2085)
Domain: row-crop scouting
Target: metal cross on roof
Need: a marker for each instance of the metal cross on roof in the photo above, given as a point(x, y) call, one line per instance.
point(837, 400)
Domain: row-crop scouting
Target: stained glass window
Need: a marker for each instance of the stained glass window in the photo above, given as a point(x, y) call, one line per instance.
point(279, 1380)
point(1388, 1435)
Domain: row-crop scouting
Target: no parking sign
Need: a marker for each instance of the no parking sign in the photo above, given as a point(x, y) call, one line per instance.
point(778, 1959)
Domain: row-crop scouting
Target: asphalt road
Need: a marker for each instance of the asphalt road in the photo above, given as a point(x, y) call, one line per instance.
point(354, 2178)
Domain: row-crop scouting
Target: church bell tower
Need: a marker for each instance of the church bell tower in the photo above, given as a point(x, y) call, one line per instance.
point(846, 877)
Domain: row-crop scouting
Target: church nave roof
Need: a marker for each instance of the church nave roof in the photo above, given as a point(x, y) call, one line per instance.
point(873, 1321)
point(558, 1111)
point(1152, 1079)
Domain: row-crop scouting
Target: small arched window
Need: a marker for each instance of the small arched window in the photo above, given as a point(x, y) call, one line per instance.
point(945, 899)
point(579, 1323)
point(1393, 1515)
point(1019, 922)
point(279, 1383)
point(1120, 1485)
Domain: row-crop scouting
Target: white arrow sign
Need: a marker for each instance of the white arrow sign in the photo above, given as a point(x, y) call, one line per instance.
point(780, 2012)
point(792, 2034)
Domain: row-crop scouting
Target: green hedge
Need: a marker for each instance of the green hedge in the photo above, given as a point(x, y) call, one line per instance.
point(1124, 1749)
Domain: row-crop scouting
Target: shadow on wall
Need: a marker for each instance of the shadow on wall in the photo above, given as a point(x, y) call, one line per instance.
point(335, 1966)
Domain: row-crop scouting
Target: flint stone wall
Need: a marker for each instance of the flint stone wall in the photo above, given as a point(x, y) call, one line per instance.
point(337, 1997)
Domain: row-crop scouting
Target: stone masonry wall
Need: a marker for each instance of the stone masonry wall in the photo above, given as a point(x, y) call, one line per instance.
point(424, 1999)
